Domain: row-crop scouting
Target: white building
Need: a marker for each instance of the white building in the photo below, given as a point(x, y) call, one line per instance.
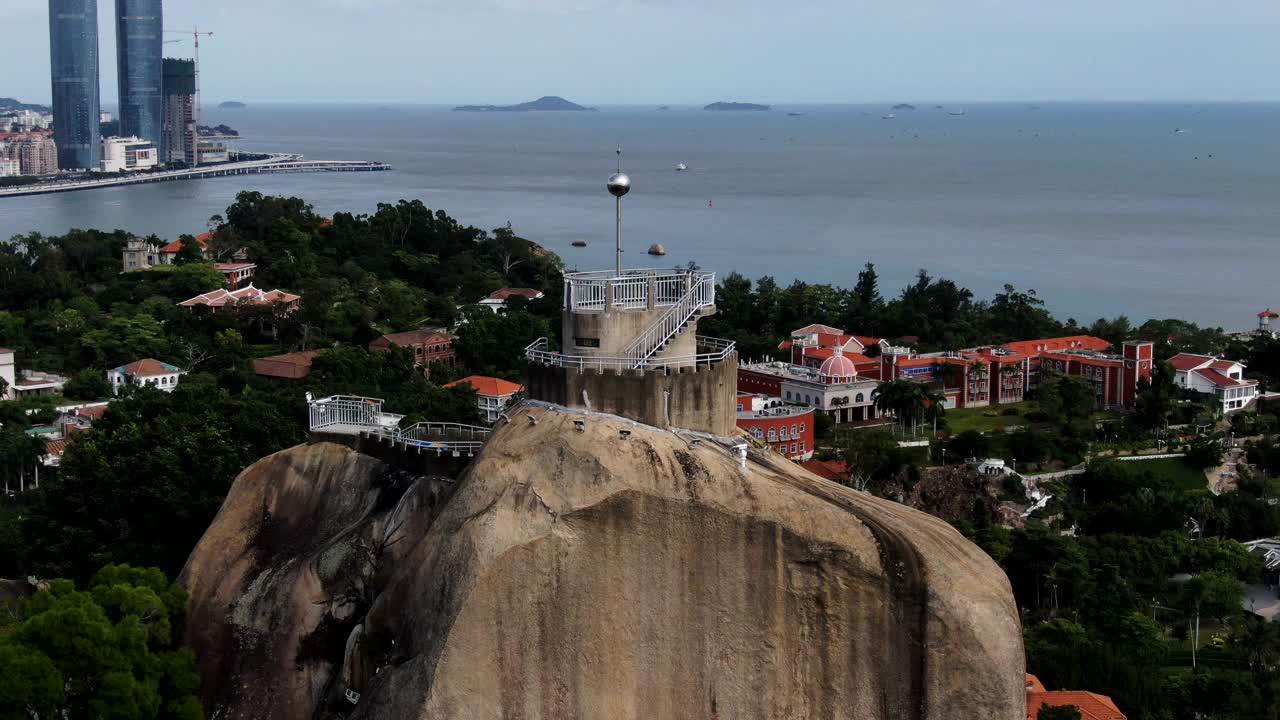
point(28, 120)
point(7, 373)
point(493, 394)
point(128, 154)
point(10, 168)
point(497, 300)
point(833, 388)
point(154, 373)
point(1224, 379)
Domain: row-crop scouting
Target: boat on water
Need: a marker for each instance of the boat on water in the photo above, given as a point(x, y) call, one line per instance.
point(681, 167)
point(579, 243)
point(955, 112)
point(794, 114)
point(888, 116)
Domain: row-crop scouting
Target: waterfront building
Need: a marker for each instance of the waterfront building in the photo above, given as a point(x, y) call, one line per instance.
point(139, 68)
point(178, 140)
point(73, 53)
point(1208, 375)
point(140, 254)
point(145, 372)
point(788, 429)
point(127, 154)
point(209, 152)
point(429, 345)
point(36, 154)
point(493, 394)
point(10, 167)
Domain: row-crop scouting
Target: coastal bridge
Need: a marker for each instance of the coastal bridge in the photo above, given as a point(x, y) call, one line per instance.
point(363, 418)
point(275, 164)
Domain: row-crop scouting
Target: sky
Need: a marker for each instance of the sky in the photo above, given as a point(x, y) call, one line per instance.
point(602, 52)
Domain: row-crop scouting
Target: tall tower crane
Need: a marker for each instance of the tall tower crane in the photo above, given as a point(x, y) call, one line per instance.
point(195, 35)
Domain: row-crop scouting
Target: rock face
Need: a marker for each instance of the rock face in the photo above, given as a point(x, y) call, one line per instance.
point(592, 574)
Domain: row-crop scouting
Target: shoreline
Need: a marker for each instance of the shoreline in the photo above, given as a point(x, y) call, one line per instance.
point(277, 163)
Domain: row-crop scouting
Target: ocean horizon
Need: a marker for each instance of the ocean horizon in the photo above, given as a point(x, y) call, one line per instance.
point(1162, 209)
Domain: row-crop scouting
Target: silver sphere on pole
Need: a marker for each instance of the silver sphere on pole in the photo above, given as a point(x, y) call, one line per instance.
point(619, 184)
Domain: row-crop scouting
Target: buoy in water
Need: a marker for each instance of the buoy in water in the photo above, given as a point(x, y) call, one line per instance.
point(657, 249)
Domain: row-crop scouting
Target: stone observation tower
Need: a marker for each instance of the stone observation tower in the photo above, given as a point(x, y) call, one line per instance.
point(630, 346)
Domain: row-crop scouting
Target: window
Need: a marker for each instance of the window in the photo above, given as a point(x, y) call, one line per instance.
point(807, 401)
point(858, 398)
point(801, 427)
point(773, 434)
point(801, 447)
point(793, 447)
point(758, 433)
point(788, 394)
point(739, 407)
point(794, 431)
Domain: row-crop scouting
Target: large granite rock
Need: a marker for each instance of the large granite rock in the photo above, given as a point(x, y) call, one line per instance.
point(592, 574)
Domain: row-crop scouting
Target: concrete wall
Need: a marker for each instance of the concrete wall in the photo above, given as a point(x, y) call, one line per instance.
point(702, 398)
point(616, 330)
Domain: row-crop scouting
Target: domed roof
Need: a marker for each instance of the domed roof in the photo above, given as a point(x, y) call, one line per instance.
point(837, 366)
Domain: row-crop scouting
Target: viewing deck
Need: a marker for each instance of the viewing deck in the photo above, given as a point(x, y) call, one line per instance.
point(363, 416)
point(275, 164)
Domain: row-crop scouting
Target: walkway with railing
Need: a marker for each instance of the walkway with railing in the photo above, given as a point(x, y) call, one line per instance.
point(710, 351)
point(363, 416)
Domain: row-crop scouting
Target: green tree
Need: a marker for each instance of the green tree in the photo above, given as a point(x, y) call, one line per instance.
point(491, 344)
point(871, 456)
point(88, 384)
point(189, 252)
point(1059, 712)
point(1206, 451)
point(107, 652)
point(1019, 315)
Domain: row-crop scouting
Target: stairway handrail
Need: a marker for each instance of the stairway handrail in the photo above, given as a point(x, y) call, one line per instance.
point(700, 295)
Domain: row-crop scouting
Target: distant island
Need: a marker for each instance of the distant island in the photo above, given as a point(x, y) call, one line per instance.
point(232, 105)
point(904, 106)
point(11, 105)
point(735, 106)
point(218, 131)
point(547, 103)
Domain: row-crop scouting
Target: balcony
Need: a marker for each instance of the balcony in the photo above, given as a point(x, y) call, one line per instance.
point(603, 290)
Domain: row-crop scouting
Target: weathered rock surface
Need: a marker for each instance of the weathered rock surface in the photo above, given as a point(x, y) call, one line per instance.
point(590, 575)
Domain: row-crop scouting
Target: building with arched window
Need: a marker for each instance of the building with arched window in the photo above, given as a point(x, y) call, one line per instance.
point(786, 428)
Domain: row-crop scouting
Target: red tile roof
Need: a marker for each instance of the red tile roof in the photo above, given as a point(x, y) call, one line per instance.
point(292, 365)
point(784, 345)
point(1070, 342)
point(1033, 684)
point(1223, 365)
point(91, 413)
point(416, 337)
point(491, 386)
point(832, 470)
point(505, 293)
point(176, 245)
point(233, 266)
point(147, 367)
point(1091, 705)
point(866, 341)
point(1221, 380)
point(826, 352)
point(248, 294)
point(55, 448)
point(1188, 361)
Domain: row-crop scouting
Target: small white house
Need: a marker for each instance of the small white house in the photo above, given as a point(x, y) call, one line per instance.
point(493, 395)
point(7, 373)
point(497, 300)
point(154, 373)
point(1209, 375)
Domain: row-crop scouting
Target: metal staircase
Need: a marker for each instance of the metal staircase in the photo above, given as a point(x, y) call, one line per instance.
point(683, 313)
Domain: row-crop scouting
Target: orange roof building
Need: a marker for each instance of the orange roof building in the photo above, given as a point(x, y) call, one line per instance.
point(289, 366)
point(493, 394)
point(248, 295)
point(1092, 706)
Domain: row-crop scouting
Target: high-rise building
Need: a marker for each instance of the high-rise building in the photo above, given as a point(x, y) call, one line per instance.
point(178, 140)
point(139, 52)
point(36, 154)
point(73, 56)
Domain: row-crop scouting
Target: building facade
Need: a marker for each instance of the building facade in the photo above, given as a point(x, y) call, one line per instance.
point(8, 373)
point(289, 366)
point(36, 155)
point(10, 168)
point(429, 345)
point(178, 139)
point(128, 154)
point(834, 388)
point(788, 429)
point(238, 274)
point(73, 56)
point(139, 68)
point(493, 395)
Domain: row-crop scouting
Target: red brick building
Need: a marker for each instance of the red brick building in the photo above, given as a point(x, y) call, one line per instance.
point(788, 429)
point(289, 366)
point(430, 345)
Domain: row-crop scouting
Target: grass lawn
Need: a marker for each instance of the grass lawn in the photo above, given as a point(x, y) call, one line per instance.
point(988, 419)
point(1188, 477)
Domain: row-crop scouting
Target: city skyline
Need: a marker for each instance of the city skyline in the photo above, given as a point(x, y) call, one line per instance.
point(73, 77)
point(140, 37)
point(655, 51)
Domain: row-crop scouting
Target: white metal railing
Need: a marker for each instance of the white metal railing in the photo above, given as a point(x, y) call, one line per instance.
point(700, 295)
point(355, 415)
point(710, 351)
point(630, 290)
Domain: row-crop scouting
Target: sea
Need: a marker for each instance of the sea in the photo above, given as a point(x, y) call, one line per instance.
point(1146, 210)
